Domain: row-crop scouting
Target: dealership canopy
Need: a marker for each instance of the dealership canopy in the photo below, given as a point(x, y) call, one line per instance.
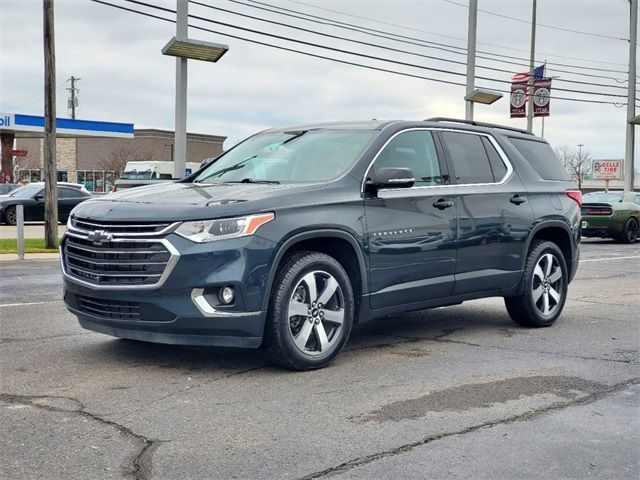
point(16, 123)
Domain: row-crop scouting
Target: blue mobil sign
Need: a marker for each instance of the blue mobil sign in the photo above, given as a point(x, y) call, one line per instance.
point(16, 122)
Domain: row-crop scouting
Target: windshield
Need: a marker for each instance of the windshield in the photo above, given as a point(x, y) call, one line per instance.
point(289, 157)
point(136, 175)
point(28, 191)
point(602, 197)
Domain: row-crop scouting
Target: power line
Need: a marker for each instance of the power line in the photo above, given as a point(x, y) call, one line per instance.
point(384, 47)
point(554, 27)
point(315, 55)
point(405, 27)
point(362, 55)
point(421, 42)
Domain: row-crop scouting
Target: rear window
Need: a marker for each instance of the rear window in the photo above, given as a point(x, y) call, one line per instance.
point(602, 198)
point(542, 158)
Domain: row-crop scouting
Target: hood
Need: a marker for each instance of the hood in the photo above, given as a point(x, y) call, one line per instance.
point(190, 201)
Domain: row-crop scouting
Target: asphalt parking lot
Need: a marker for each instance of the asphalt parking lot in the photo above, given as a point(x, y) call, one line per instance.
point(457, 392)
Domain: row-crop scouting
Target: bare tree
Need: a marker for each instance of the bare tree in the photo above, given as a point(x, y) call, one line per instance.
point(577, 163)
point(118, 158)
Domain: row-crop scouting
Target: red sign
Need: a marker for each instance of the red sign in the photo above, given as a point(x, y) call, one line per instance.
point(19, 153)
point(541, 97)
point(518, 104)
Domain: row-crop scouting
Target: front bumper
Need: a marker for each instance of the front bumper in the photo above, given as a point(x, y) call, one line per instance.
point(184, 308)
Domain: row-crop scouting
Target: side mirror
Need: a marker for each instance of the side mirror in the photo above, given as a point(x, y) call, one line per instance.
point(38, 198)
point(394, 177)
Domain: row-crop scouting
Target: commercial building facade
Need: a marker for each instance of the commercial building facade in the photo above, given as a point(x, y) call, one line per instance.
point(90, 152)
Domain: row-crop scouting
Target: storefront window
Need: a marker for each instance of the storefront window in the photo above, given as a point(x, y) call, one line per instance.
point(98, 181)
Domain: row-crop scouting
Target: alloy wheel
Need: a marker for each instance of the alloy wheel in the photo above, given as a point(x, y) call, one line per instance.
point(547, 287)
point(11, 216)
point(632, 231)
point(316, 313)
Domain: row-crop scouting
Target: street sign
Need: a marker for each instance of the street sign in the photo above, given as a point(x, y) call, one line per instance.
point(606, 169)
point(19, 153)
point(188, 171)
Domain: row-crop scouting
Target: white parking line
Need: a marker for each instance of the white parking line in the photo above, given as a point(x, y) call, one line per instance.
point(28, 303)
point(608, 258)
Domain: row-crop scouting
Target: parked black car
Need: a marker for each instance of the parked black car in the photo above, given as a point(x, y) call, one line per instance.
point(31, 196)
point(295, 234)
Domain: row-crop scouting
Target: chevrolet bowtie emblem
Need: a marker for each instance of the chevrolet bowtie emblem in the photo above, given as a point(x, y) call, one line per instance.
point(99, 236)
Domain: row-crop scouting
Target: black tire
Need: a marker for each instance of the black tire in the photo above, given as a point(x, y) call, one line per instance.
point(312, 328)
point(10, 216)
point(528, 309)
point(630, 231)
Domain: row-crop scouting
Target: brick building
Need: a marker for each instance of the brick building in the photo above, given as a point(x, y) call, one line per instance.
point(97, 161)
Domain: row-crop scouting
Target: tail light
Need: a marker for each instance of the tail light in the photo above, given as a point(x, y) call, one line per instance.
point(598, 211)
point(576, 196)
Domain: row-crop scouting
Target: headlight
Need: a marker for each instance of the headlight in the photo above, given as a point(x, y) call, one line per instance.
point(203, 231)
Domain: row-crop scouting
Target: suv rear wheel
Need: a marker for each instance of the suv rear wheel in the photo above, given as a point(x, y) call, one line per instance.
point(545, 287)
point(310, 313)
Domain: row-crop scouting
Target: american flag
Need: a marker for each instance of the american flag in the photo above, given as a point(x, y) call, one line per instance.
point(538, 74)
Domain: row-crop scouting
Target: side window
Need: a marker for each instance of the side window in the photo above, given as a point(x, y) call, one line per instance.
point(467, 157)
point(415, 150)
point(638, 199)
point(497, 165)
point(69, 193)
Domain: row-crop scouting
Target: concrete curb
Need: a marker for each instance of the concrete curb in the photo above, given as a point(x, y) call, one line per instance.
point(29, 256)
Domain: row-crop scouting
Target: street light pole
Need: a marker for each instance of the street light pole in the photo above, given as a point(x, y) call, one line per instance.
point(180, 140)
point(531, 68)
point(471, 56)
point(628, 172)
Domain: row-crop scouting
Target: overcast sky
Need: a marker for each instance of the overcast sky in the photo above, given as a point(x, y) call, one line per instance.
point(125, 78)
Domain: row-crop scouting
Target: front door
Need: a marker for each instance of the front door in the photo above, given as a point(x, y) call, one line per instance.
point(411, 231)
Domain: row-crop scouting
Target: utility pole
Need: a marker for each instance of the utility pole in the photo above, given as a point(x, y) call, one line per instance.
point(73, 100)
point(50, 171)
point(628, 170)
point(180, 141)
point(531, 69)
point(471, 56)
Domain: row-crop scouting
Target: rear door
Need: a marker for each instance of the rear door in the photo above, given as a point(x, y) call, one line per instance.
point(411, 240)
point(67, 199)
point(494, 217)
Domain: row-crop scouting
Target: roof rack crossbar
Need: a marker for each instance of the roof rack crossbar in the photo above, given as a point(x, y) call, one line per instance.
point(477, 124)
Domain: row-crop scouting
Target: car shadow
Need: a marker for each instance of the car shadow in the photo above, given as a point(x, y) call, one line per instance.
point(425, 325)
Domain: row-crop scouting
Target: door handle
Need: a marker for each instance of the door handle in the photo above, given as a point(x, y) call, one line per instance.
point(442, 204)
point(518, 200)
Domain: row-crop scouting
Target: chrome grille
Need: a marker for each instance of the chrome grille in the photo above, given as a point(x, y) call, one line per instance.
point(109, 308)
point(120, 228)
point(117, 262)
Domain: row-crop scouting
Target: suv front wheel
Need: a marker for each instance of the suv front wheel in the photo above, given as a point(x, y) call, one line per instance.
point(310, 311)
point(545, 287)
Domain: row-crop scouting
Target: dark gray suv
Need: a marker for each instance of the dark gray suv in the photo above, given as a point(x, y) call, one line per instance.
point(295, 234)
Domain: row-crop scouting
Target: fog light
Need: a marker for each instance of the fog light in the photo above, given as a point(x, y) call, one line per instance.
point(227, 295)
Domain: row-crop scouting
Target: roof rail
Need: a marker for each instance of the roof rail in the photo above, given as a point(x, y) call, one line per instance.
point(477, 124)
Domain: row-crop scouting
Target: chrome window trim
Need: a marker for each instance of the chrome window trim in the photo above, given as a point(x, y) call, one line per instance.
point(171, 263)
point(490, 137)
point(164, 231)
point(197, 296)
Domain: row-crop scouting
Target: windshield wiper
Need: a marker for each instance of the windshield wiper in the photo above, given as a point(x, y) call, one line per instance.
point(251, 180)
point(295, 134)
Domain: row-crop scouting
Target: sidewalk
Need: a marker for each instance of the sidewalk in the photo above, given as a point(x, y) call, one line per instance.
point(29, 256)
point(31, 230)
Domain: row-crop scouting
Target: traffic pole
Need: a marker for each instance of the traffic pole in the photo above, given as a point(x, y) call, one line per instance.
point(530, 83)
point(628, 170)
